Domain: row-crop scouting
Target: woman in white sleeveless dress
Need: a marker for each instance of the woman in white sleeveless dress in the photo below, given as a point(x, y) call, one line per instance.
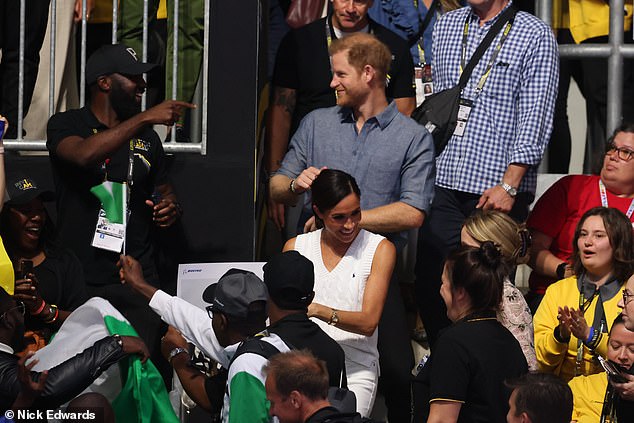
point(353, 268)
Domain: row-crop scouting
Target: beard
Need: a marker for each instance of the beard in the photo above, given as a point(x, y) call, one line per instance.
point(124, 104)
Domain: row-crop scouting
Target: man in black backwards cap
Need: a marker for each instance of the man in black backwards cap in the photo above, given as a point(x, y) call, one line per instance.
point(111, 139)
point(290, 279)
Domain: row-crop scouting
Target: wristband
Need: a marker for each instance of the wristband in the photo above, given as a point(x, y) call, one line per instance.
point(1, 149)
point(39, 310)
point(561, 270)
point(176, 351)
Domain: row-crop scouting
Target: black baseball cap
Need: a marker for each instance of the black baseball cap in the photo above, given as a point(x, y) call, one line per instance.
point(290, 280)
point(235, 291)
point(115, 58)
point(22, 189)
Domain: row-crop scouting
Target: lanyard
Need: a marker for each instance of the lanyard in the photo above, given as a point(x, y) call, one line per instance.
point(604, 200)
point(498, 47)
point(431, 11)
point(584, 305)
point(328, 32)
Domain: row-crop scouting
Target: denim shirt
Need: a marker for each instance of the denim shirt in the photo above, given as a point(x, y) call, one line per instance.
point(391, 158)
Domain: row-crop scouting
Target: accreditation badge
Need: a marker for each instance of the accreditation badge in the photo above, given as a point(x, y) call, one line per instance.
point(464, 110)
point(423, 82)
point(108, 236)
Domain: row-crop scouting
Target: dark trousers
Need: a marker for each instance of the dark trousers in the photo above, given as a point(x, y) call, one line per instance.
point(560, 145)
point(396, 357)
point(439, 236)
point(36, 18)
point(595, 90)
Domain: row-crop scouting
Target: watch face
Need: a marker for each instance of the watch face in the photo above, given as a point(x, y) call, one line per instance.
point(513, 192)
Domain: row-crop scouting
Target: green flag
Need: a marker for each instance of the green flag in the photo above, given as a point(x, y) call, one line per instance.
point(112, 197)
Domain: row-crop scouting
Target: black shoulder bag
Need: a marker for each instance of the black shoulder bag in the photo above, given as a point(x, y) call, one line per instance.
point(439, 113)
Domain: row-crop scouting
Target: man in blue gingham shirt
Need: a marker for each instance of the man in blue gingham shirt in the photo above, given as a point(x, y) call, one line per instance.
point(493, 165)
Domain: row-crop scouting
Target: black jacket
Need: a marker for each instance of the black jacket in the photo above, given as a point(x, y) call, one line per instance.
point(66, 380)
point(299, 332)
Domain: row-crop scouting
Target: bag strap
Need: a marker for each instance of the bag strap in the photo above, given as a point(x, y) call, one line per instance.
point(424, 23)
point(508, 15)
point(255, 345)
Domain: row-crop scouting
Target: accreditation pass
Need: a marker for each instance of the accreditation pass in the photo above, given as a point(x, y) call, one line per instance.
point(108, 236)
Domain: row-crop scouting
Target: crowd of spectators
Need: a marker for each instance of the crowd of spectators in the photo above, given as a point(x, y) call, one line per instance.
point(340, 146)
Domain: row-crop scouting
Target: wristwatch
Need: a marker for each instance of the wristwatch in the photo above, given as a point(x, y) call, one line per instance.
point(509, 189)
point(334, 318)
point(176, 351)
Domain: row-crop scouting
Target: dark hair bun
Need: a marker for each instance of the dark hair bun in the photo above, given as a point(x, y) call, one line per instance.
point(490, 254)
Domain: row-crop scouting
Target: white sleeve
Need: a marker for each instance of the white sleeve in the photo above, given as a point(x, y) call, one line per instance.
point(192, 322)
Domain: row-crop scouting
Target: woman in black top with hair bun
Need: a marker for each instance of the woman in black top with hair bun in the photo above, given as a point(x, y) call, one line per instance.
point(463, 380)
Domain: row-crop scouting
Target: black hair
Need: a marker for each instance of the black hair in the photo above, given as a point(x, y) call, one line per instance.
point(617, 321)
point(619, 230)
point(480, 271)
point(6, 301)
point(544, 397)
point(597, 163)
point(332, 186)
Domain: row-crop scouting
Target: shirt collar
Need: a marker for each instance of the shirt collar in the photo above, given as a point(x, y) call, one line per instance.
point(90, 119)
point(6, 348)
point(383, 118)
point(474, 17)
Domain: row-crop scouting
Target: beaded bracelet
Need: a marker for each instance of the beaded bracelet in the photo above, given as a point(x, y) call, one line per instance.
point(39, 310)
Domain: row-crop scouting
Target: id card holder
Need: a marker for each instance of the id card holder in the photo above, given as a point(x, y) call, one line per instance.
point(464, 110)
point(424, 85)
point(108, 236)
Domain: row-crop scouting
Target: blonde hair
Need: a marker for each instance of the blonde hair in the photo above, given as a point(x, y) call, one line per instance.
point(364, 49)
point(449, 5)
point(512, 238)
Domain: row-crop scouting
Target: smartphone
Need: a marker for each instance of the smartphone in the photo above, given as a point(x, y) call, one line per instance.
point(614, 373)
point(25, 267)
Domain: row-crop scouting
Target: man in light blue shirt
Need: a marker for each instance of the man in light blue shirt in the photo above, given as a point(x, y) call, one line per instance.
point(392, 160)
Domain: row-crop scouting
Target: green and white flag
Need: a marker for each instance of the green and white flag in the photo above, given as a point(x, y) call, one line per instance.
point(113, 199)
point(136, 391)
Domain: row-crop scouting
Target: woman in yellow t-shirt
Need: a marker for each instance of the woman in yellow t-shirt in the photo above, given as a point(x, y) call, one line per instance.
point(6, 268)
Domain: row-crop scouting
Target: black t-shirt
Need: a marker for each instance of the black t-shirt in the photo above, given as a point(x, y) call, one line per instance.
point(60, 282)
point(469, 364)
point(303, 64)
point(77, 207)
point(301, 332)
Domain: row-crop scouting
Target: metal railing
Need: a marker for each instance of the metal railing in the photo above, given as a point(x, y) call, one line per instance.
point(614, 50)
point(170, 147)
